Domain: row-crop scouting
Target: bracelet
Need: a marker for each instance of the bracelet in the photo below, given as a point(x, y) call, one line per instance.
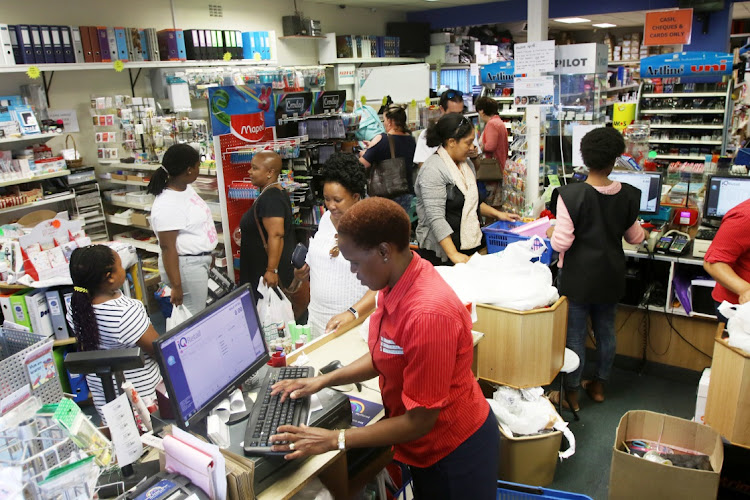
point(275, 271)
point(342, 439)
point(354, 312)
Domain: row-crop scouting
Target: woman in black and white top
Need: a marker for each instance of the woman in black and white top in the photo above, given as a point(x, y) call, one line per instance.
point(184, 226)
point(102, 318)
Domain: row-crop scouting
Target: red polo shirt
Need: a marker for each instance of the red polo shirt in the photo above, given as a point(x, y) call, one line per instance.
point(732, 246)
point(421, 345)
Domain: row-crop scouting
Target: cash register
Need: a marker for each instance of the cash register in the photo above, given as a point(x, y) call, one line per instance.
point(723, 193)
point(210, 355)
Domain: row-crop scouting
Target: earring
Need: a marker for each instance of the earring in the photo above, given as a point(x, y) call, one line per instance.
point(385, 259)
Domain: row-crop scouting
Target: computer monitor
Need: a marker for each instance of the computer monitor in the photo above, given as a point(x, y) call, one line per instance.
point(204, 359)
point(723, 193)
point(649, 183)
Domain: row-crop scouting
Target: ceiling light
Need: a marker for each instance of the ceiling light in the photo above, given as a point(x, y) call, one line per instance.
point(604, 25)
point(430, 0)
point(572, 20)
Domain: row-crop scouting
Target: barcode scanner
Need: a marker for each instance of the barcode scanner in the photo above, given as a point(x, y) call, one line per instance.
point(335, 365)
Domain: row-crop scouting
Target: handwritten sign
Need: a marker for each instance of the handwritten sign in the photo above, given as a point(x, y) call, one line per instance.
point(534, 57)
point(668, 27)
point(68, 117)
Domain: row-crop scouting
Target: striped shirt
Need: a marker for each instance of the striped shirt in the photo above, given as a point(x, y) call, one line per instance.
point(122, 322)
point(731, 245)
point(421, 345)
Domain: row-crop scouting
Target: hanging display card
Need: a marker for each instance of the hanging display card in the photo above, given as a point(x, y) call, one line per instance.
point(534, 90)
point(534, 57)
point(245, 111)
point(668, 27)
point(41, 365)
point(499, 72)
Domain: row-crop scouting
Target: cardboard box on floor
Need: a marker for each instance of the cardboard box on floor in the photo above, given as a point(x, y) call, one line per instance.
point(631, 476)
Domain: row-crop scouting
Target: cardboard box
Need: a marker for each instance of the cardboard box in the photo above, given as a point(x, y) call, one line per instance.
point(728, 400)
point(119, 177)
point(140, 219)
point(440, 38)
point(700, 401)
point(136, 178)
point(631, 476)
point(529, 459)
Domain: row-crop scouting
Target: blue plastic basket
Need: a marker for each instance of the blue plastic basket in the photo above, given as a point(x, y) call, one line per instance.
point(498, 236)
point(515, 491)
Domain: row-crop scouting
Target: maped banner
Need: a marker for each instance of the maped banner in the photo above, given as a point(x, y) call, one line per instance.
point(245, 111)
point(686, 64)
point(499, 72)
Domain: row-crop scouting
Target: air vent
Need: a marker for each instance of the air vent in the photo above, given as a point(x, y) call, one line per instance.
point(215, 11)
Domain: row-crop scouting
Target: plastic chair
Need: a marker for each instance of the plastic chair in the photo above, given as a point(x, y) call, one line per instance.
point(571, 361)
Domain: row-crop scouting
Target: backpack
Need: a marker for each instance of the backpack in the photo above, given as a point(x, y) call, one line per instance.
point(369, 123)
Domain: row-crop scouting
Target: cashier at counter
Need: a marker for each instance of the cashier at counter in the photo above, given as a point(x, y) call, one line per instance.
point(421, 350)
point(728, 258)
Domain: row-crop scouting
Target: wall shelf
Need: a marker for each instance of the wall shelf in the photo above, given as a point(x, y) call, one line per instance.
point(678, 141)
point(22, 68)
point(35, 178)
point(687, 126)
point(681, 157)
point(686, 94)
point(125, 204)
point(26, 140)
point(38, 203)
point(682, 111)
point(301, 37)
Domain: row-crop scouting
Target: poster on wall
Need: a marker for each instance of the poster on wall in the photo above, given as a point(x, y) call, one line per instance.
point(534, 90)
point(668, 27)
point(245, 111)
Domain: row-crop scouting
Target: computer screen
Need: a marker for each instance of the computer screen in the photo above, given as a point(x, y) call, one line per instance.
point(203, 359)
point(723, 194)
point(649, 183)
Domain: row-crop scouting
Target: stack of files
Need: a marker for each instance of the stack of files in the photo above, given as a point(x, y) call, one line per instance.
point(202, 44)
point(171, 45)
point(257, 42)
point(35, 44)
point(240, 475)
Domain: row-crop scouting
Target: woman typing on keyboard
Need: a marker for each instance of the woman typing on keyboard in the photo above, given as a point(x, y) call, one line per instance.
point(421, 350)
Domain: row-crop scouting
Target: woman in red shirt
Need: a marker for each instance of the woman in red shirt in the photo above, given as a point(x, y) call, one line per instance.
point(421, 350)
point(495, 135)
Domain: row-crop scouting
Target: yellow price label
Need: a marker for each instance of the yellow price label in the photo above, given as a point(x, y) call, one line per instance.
point(413, 103)
point(33, 72)
point(363, 100)
point(228, 56)
point(118, 65)
point(427, 101)
point(385, 100)
point(256, 56)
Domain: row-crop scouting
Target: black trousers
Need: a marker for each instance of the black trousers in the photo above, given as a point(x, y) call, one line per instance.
point(468, 472)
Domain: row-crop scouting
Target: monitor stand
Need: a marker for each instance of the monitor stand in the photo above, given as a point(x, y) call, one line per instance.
point(710, 223)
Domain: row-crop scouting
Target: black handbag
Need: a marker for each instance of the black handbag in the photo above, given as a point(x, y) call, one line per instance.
point(388, 178)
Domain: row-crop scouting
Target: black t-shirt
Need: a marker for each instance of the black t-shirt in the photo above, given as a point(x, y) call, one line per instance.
point(253, 259)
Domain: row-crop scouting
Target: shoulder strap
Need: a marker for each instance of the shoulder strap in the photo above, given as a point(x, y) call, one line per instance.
point(257, 222)
point(393, 146)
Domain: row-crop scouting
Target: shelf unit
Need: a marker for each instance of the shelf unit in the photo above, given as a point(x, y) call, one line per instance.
point(23, 68)
point(698, 146)
point(621, 88)
point(149, 247)
point(327, 54)
point(635, 62)
point(35, 178)
point(25, 140)
point(38, 203)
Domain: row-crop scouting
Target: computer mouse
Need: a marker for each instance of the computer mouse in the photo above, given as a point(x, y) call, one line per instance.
point(335, 365)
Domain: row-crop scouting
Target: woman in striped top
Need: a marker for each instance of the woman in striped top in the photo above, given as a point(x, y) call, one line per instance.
point(102, 318)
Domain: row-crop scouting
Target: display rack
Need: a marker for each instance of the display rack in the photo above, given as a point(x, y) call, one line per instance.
point(680, 129)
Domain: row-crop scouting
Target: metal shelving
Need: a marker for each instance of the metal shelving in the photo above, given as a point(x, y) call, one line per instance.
point(35, 178)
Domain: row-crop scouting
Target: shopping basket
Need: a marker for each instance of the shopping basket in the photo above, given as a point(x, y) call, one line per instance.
point(515, 491)
point(498, 236)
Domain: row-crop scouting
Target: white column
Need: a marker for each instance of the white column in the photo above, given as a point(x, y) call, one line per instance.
point(537, 21)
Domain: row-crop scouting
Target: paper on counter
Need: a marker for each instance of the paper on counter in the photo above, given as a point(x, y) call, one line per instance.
point(237, 402)
point(125, 436)
point(223, 410)
point(315, 405)
point(220, 467)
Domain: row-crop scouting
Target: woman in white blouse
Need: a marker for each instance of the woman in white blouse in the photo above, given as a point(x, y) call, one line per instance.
point(336, 295)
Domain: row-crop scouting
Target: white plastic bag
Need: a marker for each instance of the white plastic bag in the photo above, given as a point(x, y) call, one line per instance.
point(179, 314)
point(274, 312)
point(738, 324)
point(528, 412)
point(505, 279)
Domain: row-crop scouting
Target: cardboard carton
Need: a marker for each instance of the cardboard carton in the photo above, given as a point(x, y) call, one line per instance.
point(700, 401)
point(728, 400)
point(633, 477)
point(529, 459)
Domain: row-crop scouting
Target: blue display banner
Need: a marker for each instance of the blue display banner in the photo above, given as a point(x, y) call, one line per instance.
point(686, 64)
point(499, 72)
point(243, 110)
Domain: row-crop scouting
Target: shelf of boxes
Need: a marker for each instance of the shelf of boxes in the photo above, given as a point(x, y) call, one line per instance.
point(681, 157)
point(685, 94)
point(23, 68)
point(687, 126)
point(27, 139)
point(683, 141)
point(682, 111)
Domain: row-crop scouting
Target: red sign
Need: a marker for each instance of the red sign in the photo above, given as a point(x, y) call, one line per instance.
point(250, 127)
point(668, 27)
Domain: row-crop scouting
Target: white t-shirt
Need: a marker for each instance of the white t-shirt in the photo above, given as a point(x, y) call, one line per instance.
point(122, 322)
point(333, 286)
point(186, 212)
point(423, 151)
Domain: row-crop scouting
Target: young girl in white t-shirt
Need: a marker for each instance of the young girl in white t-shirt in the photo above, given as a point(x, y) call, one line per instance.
point(184, 226)
point(102, 318)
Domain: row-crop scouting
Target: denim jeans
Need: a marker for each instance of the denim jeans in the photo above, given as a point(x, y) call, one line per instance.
point(603, 323)
point(194, 276)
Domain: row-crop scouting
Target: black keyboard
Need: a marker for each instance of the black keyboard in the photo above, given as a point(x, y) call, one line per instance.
point(268, 413)
point(705, 234)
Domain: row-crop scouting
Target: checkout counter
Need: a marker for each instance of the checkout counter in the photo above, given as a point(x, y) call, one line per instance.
point(332, 468)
